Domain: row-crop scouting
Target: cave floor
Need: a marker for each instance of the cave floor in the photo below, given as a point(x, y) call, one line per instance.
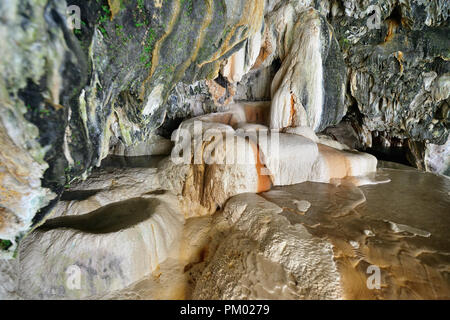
point(400, 227)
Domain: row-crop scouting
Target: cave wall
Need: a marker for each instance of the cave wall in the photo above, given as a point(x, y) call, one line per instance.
point(137, 68)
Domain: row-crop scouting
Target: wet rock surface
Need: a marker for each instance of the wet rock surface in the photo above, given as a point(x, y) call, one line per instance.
point(398, 70)
point(263, 246)
point(363, 223)
point(117, 79)
point(94, 117)
point(68, 93)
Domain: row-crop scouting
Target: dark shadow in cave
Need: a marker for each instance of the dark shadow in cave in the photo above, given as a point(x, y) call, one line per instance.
point(384, 147)
point(398, 152)
point(113, 161)
point(111, 218)
point(78, 195)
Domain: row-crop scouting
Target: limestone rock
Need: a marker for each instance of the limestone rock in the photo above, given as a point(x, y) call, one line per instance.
point(293, 160)
point(260, 247)
point(217, 161)
point(97, 246)
point(253, 92)
point(27, 146)
point(306, 132)
point(298, 89)
point(104, 187)
point(128, 69)
point(154, 146)
point(437, 158)
point(395, 65)
point(302, 205)
point(70, 92)
point(212, 161)
point(243, 60)
point(8, 279)
point(268, 258)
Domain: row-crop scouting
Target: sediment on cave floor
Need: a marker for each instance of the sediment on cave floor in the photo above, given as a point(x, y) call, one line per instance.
point(229, 149)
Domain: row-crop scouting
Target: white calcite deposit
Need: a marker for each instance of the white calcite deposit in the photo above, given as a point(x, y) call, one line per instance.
point(243, 60)
point(437, 159)
point(297, 89)
point(254, 196)
point(267, 257)
point(128, 238)
point(21, 194)
point(217, 161)
point(153, 146)
point(109, 248)
point(237, 153)
point(118, 226)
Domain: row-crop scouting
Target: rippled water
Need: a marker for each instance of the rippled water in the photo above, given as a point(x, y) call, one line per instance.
point(401, 227)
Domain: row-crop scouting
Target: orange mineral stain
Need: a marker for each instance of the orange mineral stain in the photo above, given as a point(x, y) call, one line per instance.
point(392, 28)
point(337, 163)
point(264, 181)
point(256, 114)
point(292, 114)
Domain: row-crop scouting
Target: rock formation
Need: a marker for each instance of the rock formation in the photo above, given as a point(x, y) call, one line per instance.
point(128, 126)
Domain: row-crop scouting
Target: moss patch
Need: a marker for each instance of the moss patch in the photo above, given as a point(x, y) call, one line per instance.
point(5, 244)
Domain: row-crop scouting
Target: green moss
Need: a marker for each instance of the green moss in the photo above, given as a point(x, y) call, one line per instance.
point(140, 4)
point(344, 44)
point(188, 6)
point(5, 244)
point(44, 112)
point(125, 134)
point(103, 19)
point(146, 55)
